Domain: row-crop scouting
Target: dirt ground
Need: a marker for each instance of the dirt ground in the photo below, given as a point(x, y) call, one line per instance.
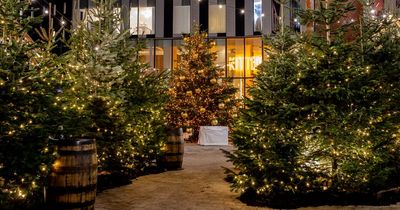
point(199, 186)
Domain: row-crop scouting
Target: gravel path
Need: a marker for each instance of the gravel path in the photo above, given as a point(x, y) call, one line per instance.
point(199, 186)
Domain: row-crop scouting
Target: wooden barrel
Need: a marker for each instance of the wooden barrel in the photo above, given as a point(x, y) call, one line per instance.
point(74, 176)
point(173, 156)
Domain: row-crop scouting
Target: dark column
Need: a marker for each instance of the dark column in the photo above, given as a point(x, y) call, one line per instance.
point(239, 4)
point(168, 20)
point(204, 15)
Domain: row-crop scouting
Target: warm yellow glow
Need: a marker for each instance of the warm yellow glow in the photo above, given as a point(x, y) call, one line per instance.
point(57, 164)
point(239, 63)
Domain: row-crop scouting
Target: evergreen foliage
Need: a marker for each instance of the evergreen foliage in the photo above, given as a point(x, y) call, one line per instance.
point(112, 88)
point(30, 77)
point(199, 96)
point(322, 118)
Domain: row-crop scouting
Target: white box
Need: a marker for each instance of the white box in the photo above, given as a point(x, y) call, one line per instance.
point(213, 135)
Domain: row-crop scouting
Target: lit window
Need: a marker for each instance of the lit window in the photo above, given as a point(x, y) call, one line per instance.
point(235, 55)
point(176, 57)
point(217, 18)
point(219, 49)
point(248, 84)
point(146, 55)
point(181, 17)
point(258, 15)
point(253, 55)
point(163, 54)
point(239, 85)
point(142, 17)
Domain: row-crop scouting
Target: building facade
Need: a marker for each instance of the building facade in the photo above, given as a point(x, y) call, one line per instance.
point(237, 26)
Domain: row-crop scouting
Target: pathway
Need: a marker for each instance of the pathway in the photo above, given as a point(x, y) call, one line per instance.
point(200, 186)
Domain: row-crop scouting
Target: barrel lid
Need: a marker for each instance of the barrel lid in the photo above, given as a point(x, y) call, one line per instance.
point(174, 131)
point(75, 142)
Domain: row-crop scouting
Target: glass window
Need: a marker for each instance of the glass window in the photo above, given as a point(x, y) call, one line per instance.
point(258, 15)
point(175, 52)
point(253, 55)
point(217, 17)
point(293, 16)
point(146, 55)
point(181, 20)
point(235, 54)
point(275, 16)
point(248, 84)
point(219, 48)
point(186, 2)
point(238, 84)
point(117, 13)
point(142, 17)
point(163, 54)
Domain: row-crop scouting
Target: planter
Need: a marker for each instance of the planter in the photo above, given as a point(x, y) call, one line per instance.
point(73, 178)
point(173, 156)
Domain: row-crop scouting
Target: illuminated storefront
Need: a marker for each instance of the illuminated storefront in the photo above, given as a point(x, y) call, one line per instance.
point(239, 57)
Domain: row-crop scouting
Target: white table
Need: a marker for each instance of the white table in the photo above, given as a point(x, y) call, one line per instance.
point(213, 135)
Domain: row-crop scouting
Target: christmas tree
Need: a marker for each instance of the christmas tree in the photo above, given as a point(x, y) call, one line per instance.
point(114, 90)
point(94, 63)
point(30, 77)
point(199, 96)
point(320, 121)
point(144, 102)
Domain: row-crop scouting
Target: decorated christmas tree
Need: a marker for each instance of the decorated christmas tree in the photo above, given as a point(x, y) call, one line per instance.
point(30, 77)
point(321, 120)
point(199, 95)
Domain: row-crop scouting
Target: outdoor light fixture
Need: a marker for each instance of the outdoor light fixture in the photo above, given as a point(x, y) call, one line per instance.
point(242, 11)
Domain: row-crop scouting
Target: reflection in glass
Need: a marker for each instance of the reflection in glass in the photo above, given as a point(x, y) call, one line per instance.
point(146, 55)
point(253, 55)
point(238, 84)
point(248, 84)
point(175, 52)
point(235, 54)
point(146, 20)
point(258, 15)
point(219, 49)
point(163, 54)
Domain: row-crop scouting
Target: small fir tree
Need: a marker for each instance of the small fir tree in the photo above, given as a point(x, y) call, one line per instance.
point(115, 91)
point(321, 118)
point(199, 96)
point(94, 62)
point(144, 102)
point(30, 77)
